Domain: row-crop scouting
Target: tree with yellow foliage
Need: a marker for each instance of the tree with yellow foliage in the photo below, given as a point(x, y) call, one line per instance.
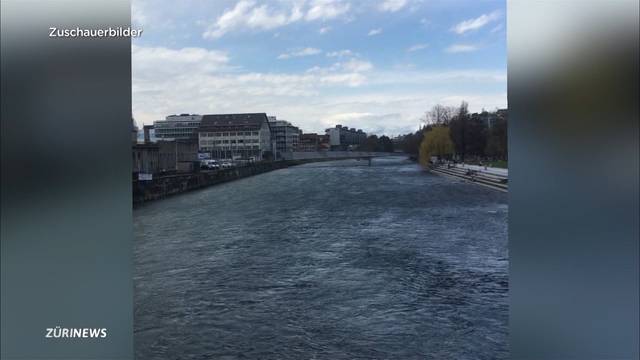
point(436, 142)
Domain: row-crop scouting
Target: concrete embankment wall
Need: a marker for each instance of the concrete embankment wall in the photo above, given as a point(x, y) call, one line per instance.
point(163, 186)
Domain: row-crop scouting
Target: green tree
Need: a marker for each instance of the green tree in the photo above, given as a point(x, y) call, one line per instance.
point(370, 144)
point(458, 125)
point(410, 143)
point(436, 142)
point(385, 144)
point(497, 138)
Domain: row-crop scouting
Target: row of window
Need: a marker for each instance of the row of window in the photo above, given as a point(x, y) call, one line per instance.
point(239, 133)
point(173, 125)
point(239, 141)
point(235, 148)
point(174, 130)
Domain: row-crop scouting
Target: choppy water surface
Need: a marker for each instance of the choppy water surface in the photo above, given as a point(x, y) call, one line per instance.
point(333, 260)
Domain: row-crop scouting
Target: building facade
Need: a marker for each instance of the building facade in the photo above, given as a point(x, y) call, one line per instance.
point(235, 136)
point(183, 126)
point(313, 142)
point(308, 142)
point(285, 136)
point(177, 155)
point(345, 138)
point(146, 158)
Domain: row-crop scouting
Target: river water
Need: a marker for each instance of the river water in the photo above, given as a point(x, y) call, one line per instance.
point(333, 260)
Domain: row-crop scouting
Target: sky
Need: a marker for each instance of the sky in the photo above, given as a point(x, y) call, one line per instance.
point(378, 65)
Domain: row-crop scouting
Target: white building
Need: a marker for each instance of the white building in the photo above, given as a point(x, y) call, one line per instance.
point(183, 126)
point(233, 136)
point(344, 138)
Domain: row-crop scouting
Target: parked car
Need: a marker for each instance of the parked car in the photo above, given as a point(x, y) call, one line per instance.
point(209, 164)
point(227, 164)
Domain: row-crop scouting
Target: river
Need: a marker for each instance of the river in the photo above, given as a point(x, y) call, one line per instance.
point(331, 260)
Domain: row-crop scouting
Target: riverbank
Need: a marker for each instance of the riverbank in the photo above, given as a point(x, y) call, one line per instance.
point(494, 178)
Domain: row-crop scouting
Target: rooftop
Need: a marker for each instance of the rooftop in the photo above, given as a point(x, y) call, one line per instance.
point(217, 122)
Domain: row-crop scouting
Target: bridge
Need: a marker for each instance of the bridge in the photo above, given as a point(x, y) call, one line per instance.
point(335, 155)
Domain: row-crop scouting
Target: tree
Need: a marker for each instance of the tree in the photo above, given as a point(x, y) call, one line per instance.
point(385, 144)
point(476, 135)
point(370, 144)
point(436, 142)
point(458, 128)
point(468, 132)
point(439, 115)
point(410, 143)
point(497, 139)
point(375, 143)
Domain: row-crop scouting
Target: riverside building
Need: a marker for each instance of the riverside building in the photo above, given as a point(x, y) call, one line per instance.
point(174, 127)
point(285, 136)
point(235, 136)
point(313, 142)
point(345, 138)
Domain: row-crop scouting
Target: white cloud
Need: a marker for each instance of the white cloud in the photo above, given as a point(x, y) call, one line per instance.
point(354, 92)
point(389, 124)
point(351, 66)
point(417, 47)
point(356, 65)
point(327, 9)
point(167, 81)
point(477, 23)
point(411, 76)
point(262, 18)
point(300, 53)
point(138, 18)
point(247, 14)
point(460, 48)
point(324, 30)
point(341, 53)
point(229, 19)
point(392, 5)
point(172, 62)
point(373, 32)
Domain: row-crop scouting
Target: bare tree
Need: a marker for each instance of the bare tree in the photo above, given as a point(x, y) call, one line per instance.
point(439, 115)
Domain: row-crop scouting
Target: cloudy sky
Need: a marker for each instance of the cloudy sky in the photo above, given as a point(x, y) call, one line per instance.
point(376, 65)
